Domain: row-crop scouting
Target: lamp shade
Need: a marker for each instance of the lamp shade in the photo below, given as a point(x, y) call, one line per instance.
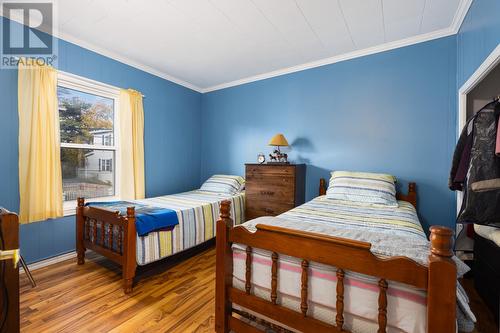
point(278, 140)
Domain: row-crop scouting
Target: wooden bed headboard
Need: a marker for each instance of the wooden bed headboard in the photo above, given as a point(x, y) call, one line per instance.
point(411, 196)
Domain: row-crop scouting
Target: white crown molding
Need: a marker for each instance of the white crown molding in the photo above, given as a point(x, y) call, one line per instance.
point(458, 19)
point(347, 56)
point(463, 8)
point(460, 14)
point(112, 55)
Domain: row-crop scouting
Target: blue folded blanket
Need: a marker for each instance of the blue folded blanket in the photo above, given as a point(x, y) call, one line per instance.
point(147, 218)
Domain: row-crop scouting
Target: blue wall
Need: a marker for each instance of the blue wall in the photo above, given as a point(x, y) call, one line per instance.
point(479, 35)
point(389, 112)
point(172, 137)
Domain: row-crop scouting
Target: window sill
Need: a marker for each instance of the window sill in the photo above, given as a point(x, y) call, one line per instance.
point(69, 207)
point(69, 212)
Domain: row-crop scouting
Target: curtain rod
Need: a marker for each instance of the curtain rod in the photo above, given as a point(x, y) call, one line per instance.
point(81, 77)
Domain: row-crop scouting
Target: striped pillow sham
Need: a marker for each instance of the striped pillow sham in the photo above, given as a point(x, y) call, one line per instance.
point(363, 187)
point(224, 184)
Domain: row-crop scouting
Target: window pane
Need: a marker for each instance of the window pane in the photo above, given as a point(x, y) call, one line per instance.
point(85, 118)
point(87, 173)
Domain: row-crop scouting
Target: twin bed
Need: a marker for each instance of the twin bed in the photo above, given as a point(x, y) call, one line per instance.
point(392, 231)
point(339, 266)
point(113, 233)
point(325, 266)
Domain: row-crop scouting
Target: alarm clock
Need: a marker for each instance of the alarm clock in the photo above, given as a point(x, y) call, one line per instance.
point(261, 158)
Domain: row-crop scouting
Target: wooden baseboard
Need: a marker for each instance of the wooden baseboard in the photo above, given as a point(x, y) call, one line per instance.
point(50, 261)
point(169, 261)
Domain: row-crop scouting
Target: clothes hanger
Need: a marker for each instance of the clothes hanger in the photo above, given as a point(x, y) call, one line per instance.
point(495, 101)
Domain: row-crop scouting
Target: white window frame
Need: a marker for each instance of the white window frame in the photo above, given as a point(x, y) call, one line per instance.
point(82, 84)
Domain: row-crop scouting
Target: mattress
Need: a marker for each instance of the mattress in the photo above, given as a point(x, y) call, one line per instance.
point(491, 233)
point(197, 211)
point(392, 231)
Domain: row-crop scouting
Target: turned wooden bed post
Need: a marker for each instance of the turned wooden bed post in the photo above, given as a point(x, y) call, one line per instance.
point(412, 194)
point(442, 283)
point(80, 227)
point(322, 186)
point(129, 252)
point(224, 269)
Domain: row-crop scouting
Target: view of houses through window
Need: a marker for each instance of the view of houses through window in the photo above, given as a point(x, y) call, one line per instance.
point(87, 144)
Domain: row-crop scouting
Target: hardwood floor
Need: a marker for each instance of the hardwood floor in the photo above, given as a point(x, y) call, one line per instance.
point(90, 298)
point(485, 320)
point(174, 296)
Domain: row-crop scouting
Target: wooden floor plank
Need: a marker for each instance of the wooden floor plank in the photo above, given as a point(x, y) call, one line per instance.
point(90, 298)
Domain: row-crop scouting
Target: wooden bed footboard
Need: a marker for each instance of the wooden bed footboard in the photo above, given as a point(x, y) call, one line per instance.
point(109, 234)
point(438, 279)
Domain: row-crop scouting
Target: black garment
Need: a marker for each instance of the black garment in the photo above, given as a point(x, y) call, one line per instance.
point(461, 158)
point(482, 187)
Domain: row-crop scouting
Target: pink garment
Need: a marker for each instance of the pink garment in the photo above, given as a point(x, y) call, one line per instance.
point(497, 149)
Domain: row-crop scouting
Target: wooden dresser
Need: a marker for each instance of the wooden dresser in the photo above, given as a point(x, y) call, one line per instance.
point(272, 189)
point(9, 275)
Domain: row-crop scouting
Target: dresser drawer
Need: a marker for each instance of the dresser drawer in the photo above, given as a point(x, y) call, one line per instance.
point(271, 192)
point(270, 179)
point(266, 209)
point(273, 170)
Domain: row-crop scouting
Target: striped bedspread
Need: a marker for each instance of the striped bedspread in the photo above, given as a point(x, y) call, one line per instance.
point(392, 231)
point(197, 211)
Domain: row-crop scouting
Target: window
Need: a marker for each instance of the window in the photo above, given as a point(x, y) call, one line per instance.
point(88, 134)
point(106, 165)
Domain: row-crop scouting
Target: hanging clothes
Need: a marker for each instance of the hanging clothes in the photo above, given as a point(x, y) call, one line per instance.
point(476, 168)
point(461, 158)
point(497, 149)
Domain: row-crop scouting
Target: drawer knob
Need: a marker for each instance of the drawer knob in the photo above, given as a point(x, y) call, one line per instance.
point(267, 192)
point(268, 210)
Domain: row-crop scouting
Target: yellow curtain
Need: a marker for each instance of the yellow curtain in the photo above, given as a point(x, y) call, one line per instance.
point(131, 145)
point(40, 180)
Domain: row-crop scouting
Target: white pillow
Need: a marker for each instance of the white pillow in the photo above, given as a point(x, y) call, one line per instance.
point(224, 184)
point(364, 187)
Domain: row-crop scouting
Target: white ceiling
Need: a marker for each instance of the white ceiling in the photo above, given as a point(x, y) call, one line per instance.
point(211, 44)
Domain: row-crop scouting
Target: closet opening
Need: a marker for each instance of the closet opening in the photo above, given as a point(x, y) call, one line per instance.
point(480, 89)
point(479, 244)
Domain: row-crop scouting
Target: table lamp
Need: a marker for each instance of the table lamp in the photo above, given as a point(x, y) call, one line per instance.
point(278, 141)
